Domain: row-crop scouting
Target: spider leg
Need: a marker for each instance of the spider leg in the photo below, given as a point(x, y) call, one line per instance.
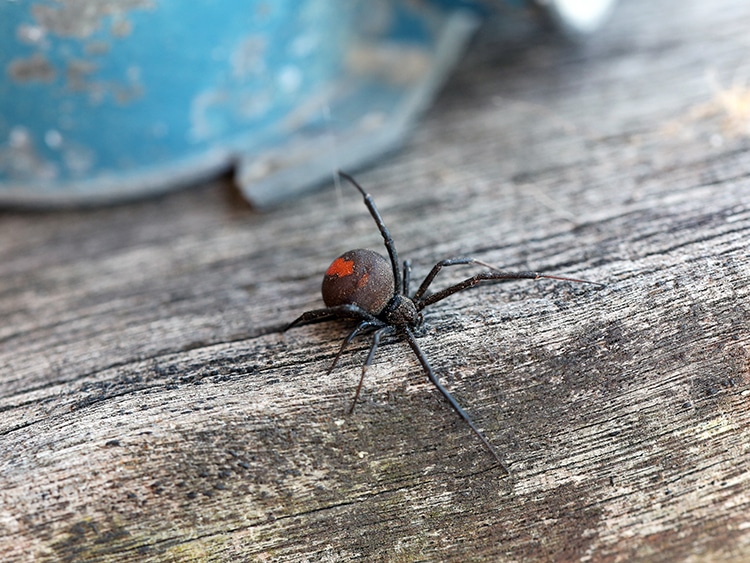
point(407, 276)
point(439, 266)
point(389, 244)
point(375, 342)
point(361, 326)
point(337, 312)
point(490, 276)
point(456, 407)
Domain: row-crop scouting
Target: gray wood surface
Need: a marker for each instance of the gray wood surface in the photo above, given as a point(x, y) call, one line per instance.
point(153, 411)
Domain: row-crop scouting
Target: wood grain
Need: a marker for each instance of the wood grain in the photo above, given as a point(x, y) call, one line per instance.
point(152, 410)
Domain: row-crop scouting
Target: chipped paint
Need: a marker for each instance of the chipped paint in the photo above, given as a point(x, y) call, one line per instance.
point(77, 74)
point(78, 19)
point(121, 28)
point(82, 18)
point(202, 126)
point(36, 68)
point(53, 139)
point(247, 59)
point(394, 63)
point(289, 79)
point(96, 48)
point(279, 77)
point(78, 159)
point(20, 158)
point(30, 34)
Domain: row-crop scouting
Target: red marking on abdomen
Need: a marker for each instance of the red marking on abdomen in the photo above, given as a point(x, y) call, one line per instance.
point(363, 280)
point(340, 268)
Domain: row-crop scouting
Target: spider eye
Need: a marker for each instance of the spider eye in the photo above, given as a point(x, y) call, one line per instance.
point(359, 277)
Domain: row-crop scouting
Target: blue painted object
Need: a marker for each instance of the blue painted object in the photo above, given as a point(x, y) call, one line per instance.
point(105, 100)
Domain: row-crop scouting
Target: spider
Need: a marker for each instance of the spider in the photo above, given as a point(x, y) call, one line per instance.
point(364, 286)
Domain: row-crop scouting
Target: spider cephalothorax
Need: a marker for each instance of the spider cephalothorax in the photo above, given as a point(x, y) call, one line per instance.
point(363, 285)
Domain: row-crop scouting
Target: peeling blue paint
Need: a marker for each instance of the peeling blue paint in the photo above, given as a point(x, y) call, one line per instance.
point(104, 100)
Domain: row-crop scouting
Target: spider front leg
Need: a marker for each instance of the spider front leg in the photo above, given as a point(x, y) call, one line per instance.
point(490, 276)
point(453, 403)
point(439, 266)
point(390, 246)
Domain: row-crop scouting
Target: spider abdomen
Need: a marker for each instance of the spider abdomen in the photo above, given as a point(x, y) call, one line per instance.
point(359, 277)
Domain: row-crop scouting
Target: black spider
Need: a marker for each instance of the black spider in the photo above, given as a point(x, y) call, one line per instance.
point(362, 285)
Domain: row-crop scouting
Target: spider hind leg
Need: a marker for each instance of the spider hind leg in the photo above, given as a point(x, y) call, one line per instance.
point(453, 403)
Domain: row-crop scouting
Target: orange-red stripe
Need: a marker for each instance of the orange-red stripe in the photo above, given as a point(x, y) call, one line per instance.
point(363, 280)
point(341, 268)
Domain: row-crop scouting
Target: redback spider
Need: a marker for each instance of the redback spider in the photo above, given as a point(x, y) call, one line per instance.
point(362, 285)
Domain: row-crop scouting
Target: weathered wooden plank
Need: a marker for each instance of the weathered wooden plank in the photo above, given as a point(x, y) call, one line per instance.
point(152, 409)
